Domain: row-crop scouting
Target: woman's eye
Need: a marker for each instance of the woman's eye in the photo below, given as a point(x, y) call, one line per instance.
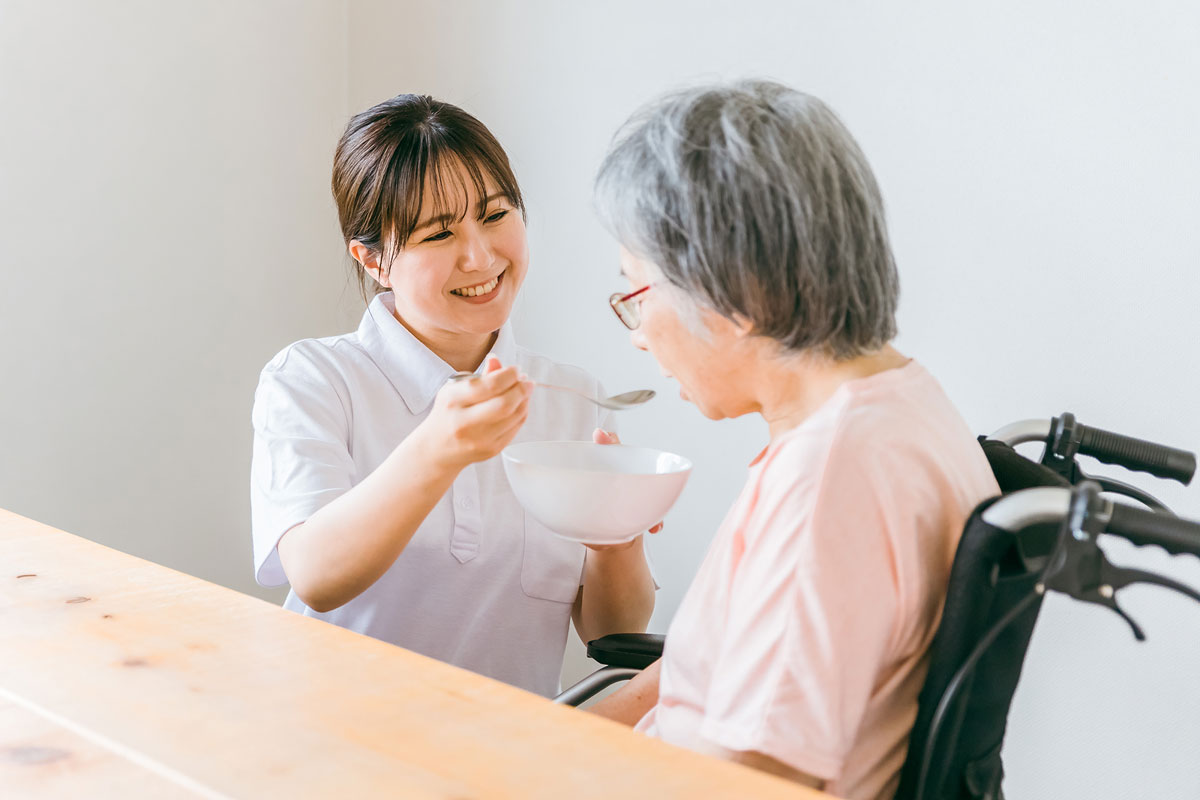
point(438, 237)
point(497, 215)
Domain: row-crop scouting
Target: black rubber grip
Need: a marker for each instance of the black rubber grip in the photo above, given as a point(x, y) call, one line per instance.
point(1142, 527)
point(632, 650)
point(1137, 454)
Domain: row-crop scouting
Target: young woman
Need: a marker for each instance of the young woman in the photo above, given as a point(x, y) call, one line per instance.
point(375, 488)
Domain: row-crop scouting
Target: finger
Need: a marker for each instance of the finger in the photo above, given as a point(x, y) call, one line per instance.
point(458, 394)
point(498, 380)
point(497, 410)
point(507, 433)
point(489, 385)
point(494, 438)
point(510, 416)
point(601, 436)
point(493, 365)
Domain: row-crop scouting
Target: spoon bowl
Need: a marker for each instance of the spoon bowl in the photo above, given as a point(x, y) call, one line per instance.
point(619, 401)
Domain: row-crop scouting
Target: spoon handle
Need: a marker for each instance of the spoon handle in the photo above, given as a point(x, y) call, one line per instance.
point(458, 376)
point(601, 403)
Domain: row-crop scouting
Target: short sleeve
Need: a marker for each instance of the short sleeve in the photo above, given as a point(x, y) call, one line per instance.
point(812, 610)
point(301, 459)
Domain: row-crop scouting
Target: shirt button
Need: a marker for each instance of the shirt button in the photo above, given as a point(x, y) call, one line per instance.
point(464, 502)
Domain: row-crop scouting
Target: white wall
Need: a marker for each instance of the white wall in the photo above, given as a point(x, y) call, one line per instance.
point(1040, 166)
point(165, 227)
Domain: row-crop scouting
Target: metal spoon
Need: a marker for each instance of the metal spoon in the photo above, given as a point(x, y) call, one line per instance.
point(617, 402)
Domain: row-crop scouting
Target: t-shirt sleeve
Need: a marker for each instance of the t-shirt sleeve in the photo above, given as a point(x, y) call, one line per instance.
point(811, 615)
point(301, 459)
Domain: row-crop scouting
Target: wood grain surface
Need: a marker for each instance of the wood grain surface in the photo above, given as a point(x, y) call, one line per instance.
point(122, 678)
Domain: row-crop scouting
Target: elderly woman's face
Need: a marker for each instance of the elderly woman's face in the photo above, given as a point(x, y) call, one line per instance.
point(705, 366)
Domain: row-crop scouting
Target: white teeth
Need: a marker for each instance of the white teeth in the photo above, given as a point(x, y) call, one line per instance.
point(475, 291)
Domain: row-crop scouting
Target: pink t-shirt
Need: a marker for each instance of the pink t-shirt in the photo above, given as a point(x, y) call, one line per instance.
point(805, 634)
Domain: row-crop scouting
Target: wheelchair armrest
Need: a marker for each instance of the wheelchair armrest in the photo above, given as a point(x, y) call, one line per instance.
point(633, 650)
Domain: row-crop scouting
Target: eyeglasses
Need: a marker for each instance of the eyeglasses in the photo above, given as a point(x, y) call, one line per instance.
point(629, 313)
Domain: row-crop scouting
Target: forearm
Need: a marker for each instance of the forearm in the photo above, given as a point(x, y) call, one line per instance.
point(618, 592)
point(632, 701)
point(761, 761)
point(346, 546)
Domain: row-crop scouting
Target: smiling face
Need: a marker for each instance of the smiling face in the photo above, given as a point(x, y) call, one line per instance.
point(710, 367)
point(458, 274)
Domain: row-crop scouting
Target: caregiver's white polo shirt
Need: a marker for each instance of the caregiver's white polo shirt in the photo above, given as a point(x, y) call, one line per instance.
point(480, 585)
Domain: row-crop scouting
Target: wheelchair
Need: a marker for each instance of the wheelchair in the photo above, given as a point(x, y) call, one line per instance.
point(1039, 534)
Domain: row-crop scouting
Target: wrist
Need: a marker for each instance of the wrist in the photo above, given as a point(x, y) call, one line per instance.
point(432, 450)
point(614, 553)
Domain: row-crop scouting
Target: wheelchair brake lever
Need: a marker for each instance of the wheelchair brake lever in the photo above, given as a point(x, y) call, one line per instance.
point(1116, 578)
point(1111, 603)
point(1081, 571)
point(1079, 568)
point(1097, 580)
point(1120, 487)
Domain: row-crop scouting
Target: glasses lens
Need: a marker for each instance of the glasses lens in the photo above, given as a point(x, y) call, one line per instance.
point(626, 310)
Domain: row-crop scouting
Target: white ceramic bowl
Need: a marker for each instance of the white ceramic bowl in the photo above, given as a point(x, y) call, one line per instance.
point(595, 493)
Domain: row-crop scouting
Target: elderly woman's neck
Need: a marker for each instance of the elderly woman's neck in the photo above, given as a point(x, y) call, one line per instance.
point(788, 389)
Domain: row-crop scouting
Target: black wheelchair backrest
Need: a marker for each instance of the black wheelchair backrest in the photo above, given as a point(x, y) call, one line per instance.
point(994, 572)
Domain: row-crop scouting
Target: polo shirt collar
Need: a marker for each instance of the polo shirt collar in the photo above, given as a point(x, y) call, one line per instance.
point(413, 369)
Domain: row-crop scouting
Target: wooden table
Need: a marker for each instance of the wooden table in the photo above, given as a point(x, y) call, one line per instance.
point(122, 678)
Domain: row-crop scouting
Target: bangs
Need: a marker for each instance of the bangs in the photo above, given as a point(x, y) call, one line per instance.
point(454, 171)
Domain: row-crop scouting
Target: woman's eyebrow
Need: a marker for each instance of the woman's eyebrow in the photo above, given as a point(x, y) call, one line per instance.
point(441, 220)
point(444, 220)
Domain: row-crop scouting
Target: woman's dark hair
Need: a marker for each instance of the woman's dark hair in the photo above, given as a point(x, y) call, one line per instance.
point(391, 152)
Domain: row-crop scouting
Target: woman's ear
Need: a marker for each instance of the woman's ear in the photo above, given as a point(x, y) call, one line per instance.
point(370, 262)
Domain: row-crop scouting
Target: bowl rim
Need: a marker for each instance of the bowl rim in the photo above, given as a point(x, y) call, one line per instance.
point(687, 462)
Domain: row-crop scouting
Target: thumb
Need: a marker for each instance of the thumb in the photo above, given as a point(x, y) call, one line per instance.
point(601, 436)
point(492, 365)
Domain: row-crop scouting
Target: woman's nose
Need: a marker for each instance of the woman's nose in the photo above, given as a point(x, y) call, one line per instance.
point(477, 253)
point(638, 338)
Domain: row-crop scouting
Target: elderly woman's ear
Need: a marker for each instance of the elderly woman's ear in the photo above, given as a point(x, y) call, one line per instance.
point(743, 327)
point(734, 327)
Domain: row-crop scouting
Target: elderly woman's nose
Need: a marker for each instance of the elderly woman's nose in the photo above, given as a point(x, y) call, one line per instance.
point(638, 338)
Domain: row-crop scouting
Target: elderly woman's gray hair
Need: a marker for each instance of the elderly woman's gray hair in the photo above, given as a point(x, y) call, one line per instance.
point(757, 202)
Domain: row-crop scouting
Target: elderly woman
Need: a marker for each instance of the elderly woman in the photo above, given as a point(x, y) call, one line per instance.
point(761, 278)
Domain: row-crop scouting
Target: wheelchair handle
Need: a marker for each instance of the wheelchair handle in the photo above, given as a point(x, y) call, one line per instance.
point(1143, 527)
point(1065, 438)
point(1138, 454)
point(1022, 431)
point(1021, 509)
